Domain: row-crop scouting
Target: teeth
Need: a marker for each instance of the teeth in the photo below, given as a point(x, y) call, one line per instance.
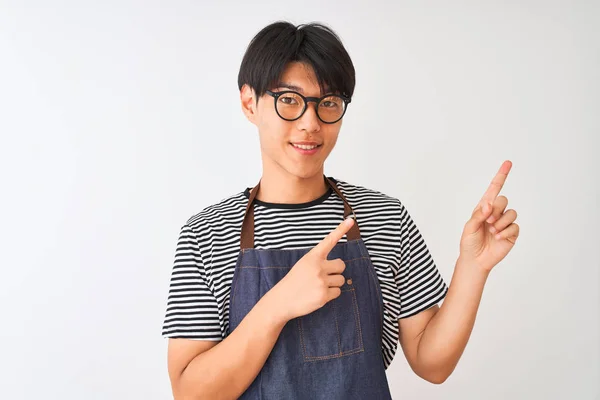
point(304, 147)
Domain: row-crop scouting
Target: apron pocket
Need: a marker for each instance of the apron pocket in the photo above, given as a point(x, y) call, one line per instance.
point(332, 331)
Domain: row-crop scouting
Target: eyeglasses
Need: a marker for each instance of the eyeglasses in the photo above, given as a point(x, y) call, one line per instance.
point(292, 105)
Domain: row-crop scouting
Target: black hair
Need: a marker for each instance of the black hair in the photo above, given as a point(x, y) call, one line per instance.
point(314, 44)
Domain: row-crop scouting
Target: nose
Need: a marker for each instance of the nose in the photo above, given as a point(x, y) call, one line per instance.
point(309, 121)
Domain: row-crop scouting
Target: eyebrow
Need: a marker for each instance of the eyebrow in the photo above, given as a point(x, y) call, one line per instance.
point(294, 87)
point(290, 86)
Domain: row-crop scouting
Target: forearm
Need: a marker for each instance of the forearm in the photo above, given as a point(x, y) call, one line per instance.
point(446, 335)
point(226, 370)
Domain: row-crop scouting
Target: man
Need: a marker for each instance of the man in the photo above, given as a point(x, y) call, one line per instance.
point(302, 286)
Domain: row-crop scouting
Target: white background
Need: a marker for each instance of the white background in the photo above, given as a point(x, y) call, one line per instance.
point(121, 119)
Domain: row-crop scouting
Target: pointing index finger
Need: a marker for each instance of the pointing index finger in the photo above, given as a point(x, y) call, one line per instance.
point(328, 243)
point(497, 183)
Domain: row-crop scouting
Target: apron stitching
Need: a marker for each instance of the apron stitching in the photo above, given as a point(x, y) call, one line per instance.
point(253, 266)
point(302, 339)
point(337, 328)
point(348, 353)
point(234, 293)
point(377, 286)
point(357, 315)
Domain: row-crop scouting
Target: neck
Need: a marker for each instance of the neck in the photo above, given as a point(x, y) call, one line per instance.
point(279, 186)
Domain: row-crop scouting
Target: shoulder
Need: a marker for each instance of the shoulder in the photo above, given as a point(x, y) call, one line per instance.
point(219, 215)
point(361, 197)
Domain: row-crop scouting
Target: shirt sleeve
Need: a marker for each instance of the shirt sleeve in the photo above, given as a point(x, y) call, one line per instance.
point(192, 310)
point(419, 281)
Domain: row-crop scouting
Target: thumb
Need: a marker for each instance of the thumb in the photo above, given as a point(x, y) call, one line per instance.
point(479, 216)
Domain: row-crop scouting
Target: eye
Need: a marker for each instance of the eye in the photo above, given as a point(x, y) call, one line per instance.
point(330, 103)
point(289, 99)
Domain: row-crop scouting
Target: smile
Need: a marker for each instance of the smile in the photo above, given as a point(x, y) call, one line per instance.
point(306, 149)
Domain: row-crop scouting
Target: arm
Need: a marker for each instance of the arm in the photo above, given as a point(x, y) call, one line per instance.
point(205, 370)
point(212, 367)
point(434, 340)
point(224, 370)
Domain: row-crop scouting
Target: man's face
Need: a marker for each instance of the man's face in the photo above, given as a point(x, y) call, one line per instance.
point(279, 138)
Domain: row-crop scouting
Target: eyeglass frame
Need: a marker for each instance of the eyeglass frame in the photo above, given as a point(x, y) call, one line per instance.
point(307, 99)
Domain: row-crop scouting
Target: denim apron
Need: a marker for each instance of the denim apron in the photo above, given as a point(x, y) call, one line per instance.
point(331, 353)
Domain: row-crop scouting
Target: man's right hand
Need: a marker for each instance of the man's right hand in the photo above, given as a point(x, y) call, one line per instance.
point(314, 280)
point(225, 369)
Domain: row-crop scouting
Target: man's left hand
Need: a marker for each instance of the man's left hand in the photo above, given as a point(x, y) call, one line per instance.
point(491, 232)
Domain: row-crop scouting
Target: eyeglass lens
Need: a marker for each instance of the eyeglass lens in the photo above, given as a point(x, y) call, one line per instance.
point(291, 105)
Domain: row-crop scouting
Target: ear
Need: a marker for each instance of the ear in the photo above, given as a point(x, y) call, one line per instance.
point(248, 100)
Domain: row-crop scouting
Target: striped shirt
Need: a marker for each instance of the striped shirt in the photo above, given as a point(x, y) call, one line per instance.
point(209, 243)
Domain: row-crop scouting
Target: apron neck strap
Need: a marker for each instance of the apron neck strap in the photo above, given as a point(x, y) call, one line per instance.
point(247, 237)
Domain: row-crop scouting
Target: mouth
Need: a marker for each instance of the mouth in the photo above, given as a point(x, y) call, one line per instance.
point(306, 148)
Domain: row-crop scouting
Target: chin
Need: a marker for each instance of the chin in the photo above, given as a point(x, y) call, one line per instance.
point(304, 173)
point(295, 168)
